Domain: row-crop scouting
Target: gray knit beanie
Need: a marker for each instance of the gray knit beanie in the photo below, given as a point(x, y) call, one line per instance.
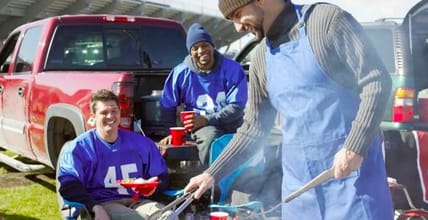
point(227, 7)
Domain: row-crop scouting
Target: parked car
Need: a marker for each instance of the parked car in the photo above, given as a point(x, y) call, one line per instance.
point(403, 46)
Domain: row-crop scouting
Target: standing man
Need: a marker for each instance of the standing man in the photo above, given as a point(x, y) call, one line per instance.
point(318, 69)
point(213, 86)
point(91, 165)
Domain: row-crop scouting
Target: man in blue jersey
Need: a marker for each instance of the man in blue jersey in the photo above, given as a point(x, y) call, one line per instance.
point(91, 165)
point(213, 86)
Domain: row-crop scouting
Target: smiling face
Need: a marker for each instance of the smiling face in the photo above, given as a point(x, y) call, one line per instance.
point(249, 18)
point(107, 119)
point(202, 54)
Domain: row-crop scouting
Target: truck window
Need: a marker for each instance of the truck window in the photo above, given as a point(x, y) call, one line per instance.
point(76, 48)
point(382, 39)
point(112, 47)
point(27, 51)
point(7, 52)
point(166, 47)
point(124, 48)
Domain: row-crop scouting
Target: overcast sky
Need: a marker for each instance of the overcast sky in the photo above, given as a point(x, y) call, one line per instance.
point(369, 10)
point(362, 10)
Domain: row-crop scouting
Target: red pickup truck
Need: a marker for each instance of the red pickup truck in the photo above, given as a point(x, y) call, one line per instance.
point(50, 67)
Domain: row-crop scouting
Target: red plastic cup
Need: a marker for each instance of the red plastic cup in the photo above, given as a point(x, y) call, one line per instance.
point(184, 115)
point(177, 136)
point(219, 216)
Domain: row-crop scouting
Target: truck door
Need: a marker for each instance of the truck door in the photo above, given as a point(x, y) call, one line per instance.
point(2, 138)
point(5, 63)
point(16, 92)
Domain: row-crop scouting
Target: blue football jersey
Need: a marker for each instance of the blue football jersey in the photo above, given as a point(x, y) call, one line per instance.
point(99, 165)
point(205, 93)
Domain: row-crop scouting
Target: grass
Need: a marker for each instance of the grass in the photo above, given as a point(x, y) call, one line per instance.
point(27, 196)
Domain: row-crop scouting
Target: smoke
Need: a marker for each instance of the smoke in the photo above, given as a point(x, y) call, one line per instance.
point(263, 185)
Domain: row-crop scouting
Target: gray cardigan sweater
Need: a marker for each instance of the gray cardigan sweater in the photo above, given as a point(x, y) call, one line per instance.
point(344, 52)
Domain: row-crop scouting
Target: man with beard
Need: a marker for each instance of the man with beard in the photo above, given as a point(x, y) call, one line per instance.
point(317, 68)
point(211, 85)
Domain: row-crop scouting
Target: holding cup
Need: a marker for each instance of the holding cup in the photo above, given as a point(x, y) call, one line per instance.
point(177, 136)
point(187, 119)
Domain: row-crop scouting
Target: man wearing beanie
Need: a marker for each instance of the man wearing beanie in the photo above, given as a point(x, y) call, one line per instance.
point(317, 68)
point(211, 85)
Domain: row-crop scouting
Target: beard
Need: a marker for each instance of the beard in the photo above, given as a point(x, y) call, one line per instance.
point(258, 30)
point(259, 33)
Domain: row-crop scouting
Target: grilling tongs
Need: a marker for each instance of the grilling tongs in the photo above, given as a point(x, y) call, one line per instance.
point(185, 200)
point(321, 178)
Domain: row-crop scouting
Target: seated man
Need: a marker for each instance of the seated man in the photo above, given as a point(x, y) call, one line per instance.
point(91, 165)
point(213, 86)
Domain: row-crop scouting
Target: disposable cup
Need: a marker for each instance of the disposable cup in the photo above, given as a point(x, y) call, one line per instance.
point(184, 115)
point(177, 135)
point(219, 216)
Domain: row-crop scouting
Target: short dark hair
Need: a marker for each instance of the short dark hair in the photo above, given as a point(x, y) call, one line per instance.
point(102, 95)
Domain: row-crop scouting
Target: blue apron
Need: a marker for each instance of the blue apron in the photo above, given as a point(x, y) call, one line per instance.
point(317, 117)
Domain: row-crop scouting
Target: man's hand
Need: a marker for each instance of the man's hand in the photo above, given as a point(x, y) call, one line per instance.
point(166, 140)
point(100, 213)
point(198, 122)
point(346, 161)
point(201, 182)
point(149, 191)
point(162, 148)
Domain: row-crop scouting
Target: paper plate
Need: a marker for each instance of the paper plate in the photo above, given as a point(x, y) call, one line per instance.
point(145, 185)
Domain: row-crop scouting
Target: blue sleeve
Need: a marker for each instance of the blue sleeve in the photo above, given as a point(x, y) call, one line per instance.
point(72, 163)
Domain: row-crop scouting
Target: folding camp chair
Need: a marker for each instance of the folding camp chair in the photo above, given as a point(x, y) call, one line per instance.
point(72, 210)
